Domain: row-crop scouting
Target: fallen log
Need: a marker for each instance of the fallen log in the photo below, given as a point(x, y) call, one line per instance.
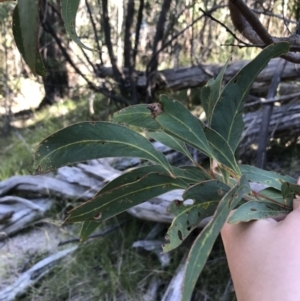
point(197, 76)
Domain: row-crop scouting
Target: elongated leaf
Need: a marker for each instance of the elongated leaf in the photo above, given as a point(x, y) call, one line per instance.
point(91, 140)
point(211, 190)
point(222, 151)
point(227, 114)
point(211, 92)
point(177, 121)
point(68, 12)
point(271, 179)
point(117, 200)
point(171, 142)
point(188, 174)
point(130, 177)
point(186, 221)
point(255, 211)
point(137, 115)
point(204, 242)
point(88, 227)
point(191, 174)
point(275, 195)
point(206, 196)
point(26, 30)
point(289, 191)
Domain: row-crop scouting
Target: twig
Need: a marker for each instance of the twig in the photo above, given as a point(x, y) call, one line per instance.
point(95, 31)
point(267, 13)
point(253, 21)
point(182, 31)
point(249, 25)
point(264, 101)
point(65, 53)
point(224, 26)
point(100, 234)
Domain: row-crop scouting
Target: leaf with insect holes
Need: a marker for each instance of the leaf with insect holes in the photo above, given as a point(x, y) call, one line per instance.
point(211, 92)
point(268, 178)
point(189, 174)
point(227, 113)
point(256, 210)
point(177, 121)
point(92, 140)
point(112, 202)
point(137, 115)
point(25, 28)
point(206, 196)
point(203, 244)
point(68, 13)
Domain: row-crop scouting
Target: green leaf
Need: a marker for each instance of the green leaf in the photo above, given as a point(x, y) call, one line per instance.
point(211, 92)
point(177, 121)
point(221, 149)
point(256, 210)
point(204, 242)
point(171, 142)
point(227, 114)
point(137, 115)
point(211, 190)
point(289, 191)
point(275, 195)
point(186, 221)
point(92, 140)
point(191, 174)
point(126, 178)
point(68, 12)
point(271, 179)
point(119, 199)
point(130, 177)
point(26, 31)
point(88, 227)
point(206, 196)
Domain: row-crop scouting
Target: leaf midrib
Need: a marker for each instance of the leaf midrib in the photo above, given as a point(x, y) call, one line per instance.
point(96, 142)
point(123, 195)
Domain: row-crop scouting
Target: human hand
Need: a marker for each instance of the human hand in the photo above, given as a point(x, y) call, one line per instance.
point(264, 257)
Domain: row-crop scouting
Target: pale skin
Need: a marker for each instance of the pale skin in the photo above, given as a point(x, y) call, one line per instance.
point(264, 257)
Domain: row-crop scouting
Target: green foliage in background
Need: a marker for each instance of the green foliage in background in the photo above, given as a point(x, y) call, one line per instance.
point(214, 192)
point(26, 24)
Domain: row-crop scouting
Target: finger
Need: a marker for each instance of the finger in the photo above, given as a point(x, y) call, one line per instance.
point(296, 203)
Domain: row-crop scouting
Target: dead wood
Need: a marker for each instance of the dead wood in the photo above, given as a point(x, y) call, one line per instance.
point(197, 76)
point(33, 275)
